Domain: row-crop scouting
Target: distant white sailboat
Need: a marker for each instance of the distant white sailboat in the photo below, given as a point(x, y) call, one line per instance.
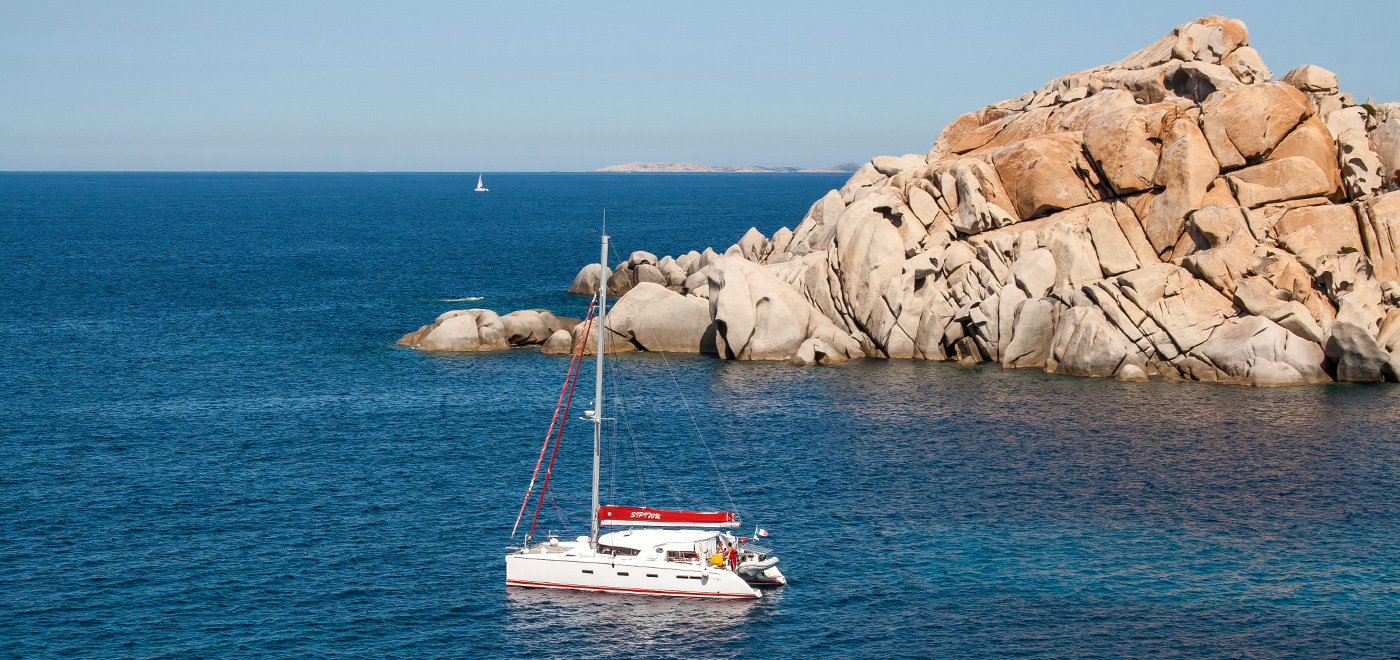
point(479, 187)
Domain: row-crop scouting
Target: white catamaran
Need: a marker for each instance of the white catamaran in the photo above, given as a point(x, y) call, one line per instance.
point(650, 551)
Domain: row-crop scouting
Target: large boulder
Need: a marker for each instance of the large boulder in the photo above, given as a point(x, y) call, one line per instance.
point(658, 319)
point(1243, 125)
point(1126, 144)
point(1185, 173)
point(1032, 334)
point(1311, 78)
point(644, 273)
point(622, 280)
point(1314, 141)
point(1385, 142)
point(1257, 297)
point(760, 317)
point(582, 334)
point(1247, 65)
point(1357, 356)
point(1256, 351)
point(1111, 246)
point(975, 213)
point(1085, 343)
point(559, 343)
point(1353, 347)
point(892, 165)
point(869, 253)
point(1223, 266)
point(754, 245)
point(1380, 223)
point(1294, 177)
point(1035, 272)
point(1311, 232)
point(528, 327)
point(817, 228)
point(673, 272)
point(1046, 174)
point(1361, 168)
point(462, 330)
point(1186, 308)
point(586, 282)
point(815, 351)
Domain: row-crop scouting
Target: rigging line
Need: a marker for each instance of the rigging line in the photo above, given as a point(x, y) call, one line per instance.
point(620, 402)
point(612, 463)
point(676, 491)
point(568, 497)
point(694, 423)
point(566, 512)
point(637, 472)
point(568, 402)
point(615, 379)
point(561, 512)
point(609, 375)
point(613, 370)
point(612, 467)
point(574, 362)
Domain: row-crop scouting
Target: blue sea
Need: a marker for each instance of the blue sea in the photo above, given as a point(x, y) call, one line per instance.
point(211, 448)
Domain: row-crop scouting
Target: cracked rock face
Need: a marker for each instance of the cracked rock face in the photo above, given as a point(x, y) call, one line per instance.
point(1177, 213)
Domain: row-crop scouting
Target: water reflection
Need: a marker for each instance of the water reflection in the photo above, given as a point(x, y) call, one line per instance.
point(1077, 508)
point(616, 625)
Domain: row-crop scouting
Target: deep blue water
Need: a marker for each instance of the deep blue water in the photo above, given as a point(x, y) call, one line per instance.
point(209, 447)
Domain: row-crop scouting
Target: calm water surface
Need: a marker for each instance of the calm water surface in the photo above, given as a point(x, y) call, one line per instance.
point(209, 447)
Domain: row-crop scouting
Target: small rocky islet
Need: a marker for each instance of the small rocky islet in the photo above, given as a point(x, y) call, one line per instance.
point(1177, 213)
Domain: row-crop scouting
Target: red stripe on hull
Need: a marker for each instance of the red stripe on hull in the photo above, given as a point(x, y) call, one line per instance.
point(662, 592)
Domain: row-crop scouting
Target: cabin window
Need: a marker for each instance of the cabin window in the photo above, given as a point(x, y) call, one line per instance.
point(681, 555)
point(590, 572)
point(622, 573)
point(652, 575)
point(618, 550)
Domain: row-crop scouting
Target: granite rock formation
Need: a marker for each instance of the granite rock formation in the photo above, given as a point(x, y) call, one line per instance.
point(485, 330)
point(1177, 213)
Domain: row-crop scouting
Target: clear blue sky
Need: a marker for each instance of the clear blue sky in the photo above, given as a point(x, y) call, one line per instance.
point(506, 86)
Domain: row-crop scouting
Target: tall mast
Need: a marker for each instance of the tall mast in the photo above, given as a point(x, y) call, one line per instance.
point(598, 376)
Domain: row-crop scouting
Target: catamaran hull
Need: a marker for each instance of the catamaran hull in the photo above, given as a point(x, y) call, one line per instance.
point(624, 575)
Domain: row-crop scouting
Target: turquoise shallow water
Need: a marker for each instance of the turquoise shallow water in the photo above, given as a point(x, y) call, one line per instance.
point(209, 447)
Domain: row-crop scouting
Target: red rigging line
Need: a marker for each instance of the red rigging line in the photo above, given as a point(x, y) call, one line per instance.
point(574, 361)
point(568, 401)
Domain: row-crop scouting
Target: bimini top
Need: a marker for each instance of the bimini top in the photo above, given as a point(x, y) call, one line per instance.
point(638, 516)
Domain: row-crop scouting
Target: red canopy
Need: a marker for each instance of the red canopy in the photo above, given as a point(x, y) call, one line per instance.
point(638, 516)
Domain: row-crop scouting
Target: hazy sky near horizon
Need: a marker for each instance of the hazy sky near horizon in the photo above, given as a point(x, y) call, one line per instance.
point(460, 86)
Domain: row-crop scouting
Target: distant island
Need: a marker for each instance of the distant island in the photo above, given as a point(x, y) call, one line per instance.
point(728, 169)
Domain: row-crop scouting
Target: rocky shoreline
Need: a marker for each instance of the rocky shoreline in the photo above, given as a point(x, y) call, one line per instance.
point(1177, 213)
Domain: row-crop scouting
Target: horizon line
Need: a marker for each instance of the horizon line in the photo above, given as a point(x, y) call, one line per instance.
point(467, 172)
